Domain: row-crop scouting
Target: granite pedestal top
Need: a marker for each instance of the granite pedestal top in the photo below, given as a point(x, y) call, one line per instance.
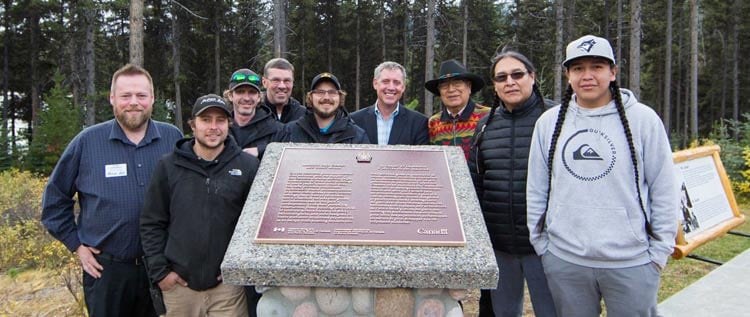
point(315, 265)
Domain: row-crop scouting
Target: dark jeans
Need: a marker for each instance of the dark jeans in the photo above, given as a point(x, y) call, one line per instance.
point(252, 300)
point(485, 304)
point(121, 291)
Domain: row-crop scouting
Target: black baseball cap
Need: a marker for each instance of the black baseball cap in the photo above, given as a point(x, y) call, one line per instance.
point(209, 101)
point(325, 76)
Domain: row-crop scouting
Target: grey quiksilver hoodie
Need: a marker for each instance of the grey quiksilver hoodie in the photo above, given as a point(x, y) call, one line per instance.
point(593, 217)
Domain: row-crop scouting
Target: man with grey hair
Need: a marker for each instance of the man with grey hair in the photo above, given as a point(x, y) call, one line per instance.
point(388, 121)
point(278, 80)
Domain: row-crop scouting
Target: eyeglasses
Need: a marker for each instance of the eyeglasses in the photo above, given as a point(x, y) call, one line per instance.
point(238, 78)
point(276, 81)
point(323, 92)
point(501, 78)
point(455, 83)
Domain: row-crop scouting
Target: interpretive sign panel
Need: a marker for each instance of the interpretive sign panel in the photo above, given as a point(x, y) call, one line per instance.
point(707, 207)
point(367, 196)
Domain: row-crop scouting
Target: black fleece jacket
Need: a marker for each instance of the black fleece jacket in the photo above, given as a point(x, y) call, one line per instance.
point(190, 211)
point(259, 131)
point(305, 130)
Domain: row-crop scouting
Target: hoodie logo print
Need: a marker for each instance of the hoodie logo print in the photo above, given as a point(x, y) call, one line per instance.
point(585, 152)
point(589, 155)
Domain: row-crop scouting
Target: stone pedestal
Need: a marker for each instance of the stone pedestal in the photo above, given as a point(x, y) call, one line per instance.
point(357, 280)
point(311, 301)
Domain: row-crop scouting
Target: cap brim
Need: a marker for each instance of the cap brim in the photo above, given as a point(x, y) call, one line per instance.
point(229, 113)
point(570, 60)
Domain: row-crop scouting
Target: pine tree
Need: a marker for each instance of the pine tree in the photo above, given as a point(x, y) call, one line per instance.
point(59, 122)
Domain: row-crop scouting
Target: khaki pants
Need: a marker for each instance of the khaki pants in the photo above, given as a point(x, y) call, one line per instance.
point(222, 300)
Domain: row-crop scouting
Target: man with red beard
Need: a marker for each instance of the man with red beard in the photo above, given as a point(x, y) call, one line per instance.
point(192, 205)
point(327, 120)
point(108, 166)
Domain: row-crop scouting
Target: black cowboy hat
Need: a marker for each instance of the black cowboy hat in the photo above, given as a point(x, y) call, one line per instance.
point(452, 69)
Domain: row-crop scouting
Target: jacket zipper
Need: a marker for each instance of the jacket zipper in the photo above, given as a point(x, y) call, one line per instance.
point(510, 193)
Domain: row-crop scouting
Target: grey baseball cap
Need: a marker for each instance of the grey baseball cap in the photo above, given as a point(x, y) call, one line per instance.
point(589, 45)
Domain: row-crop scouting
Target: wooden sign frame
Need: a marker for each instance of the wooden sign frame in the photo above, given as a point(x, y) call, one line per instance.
point(702, 167)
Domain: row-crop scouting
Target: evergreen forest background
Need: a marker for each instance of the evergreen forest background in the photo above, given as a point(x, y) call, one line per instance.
point(683, 58)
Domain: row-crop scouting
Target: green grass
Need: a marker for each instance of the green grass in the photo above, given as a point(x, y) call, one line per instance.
point(681, 273)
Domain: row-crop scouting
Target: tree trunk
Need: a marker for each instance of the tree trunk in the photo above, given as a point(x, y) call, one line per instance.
point(136, 32)
point(667, 114)
point(36, 104)
point(73, 61)
point(605, 23)
point(735, 68)
point(217, 52)
point(279, 28)
point(429, 54)
point(6, 74)
point(679, 106)
point(694, 69)
point(560, 41)
point(570, 29)
point(405, 38)
point(635, 47)
point(464, 43)
point(176, 61)
point(405, 32)
point(89, 64)
point(358, 72)
point(722, 80)
point(382, 32)
point(618, 54)
point(329, 42)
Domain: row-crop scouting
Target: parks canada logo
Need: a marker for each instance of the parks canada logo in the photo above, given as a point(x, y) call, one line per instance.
point(589, 155)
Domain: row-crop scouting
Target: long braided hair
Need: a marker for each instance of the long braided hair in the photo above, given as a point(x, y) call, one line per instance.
point(614, 90)
point(497, 102)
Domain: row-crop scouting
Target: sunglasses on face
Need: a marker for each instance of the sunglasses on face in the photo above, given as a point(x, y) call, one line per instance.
point(238, 78)
point(501, 78)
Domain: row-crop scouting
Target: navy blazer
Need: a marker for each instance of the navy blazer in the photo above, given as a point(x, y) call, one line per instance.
point(409, 126)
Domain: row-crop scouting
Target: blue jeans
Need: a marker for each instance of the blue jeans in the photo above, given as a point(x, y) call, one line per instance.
point(507, 299)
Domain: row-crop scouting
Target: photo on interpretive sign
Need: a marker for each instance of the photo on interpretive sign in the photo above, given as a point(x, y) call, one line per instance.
point(707, 205)
point(362, 196)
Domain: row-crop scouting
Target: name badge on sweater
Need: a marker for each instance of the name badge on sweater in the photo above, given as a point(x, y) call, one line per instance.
point(115, 170)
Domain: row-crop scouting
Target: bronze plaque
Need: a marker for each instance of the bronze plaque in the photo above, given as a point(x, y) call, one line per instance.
point(362, 196)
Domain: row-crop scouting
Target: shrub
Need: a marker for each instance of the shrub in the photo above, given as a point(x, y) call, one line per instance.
point(26, 243)
point(734, 139)
point(21, 196)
